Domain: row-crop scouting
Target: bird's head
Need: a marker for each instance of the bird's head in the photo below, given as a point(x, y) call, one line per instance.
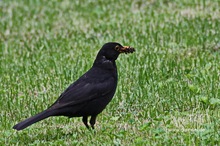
point(112, 50)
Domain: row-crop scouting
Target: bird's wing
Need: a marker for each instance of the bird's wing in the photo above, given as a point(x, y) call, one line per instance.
point(83, 91)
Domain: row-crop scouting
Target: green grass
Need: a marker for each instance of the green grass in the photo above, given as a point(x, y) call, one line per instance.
point(168, 91)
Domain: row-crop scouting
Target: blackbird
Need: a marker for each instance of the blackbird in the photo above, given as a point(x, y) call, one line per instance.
point(89, 95)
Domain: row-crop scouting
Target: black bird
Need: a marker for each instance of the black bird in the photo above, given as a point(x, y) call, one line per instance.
point(89, 95)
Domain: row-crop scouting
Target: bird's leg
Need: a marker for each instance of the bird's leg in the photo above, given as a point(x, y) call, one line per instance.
point(85, 121)
point(92, 121)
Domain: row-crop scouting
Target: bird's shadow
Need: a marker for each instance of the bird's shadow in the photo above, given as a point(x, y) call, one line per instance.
point(47, 135)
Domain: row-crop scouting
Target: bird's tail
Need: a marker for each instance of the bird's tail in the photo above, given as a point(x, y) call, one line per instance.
point(43, 115)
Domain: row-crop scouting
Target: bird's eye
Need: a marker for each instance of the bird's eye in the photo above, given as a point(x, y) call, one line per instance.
point(117, 48)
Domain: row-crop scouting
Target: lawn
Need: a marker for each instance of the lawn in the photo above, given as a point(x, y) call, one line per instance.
point(168, 91)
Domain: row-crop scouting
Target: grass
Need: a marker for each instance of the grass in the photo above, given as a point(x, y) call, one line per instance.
point(168, 91)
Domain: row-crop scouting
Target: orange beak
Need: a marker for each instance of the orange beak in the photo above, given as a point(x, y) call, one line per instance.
point(126, 49)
